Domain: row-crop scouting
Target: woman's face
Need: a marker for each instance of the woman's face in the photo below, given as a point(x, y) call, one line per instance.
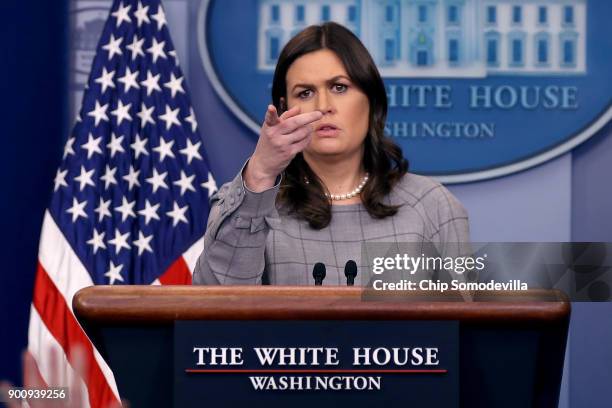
point(318, 81)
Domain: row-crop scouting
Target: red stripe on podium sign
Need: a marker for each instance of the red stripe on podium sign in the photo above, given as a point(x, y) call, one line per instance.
point(306, 371)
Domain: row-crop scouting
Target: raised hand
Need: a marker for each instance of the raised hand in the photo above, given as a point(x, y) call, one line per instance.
point(280, 139)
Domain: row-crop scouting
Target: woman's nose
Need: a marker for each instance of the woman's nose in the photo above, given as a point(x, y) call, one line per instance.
point(323, 102)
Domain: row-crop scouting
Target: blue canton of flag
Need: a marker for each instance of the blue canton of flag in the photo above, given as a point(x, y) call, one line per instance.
point(131, 195)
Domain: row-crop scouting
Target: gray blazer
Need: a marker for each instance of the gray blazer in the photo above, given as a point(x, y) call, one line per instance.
point(249, 241)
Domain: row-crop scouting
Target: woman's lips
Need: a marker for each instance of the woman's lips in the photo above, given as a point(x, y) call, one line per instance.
point(328, 132)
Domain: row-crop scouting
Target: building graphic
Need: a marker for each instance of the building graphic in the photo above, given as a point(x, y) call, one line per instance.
point(442, 38)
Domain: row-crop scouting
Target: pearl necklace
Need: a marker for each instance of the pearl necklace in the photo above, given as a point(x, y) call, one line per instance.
point(355, 192)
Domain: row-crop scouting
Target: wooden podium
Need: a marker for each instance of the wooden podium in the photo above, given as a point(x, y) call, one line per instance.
point(511, 350)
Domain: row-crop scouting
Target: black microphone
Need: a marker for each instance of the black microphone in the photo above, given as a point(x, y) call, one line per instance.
point(350, 271)
point(318, 273)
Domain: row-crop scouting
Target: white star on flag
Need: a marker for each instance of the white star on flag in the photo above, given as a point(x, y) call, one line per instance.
point(146, 115)
point(113, 46)
point(122, 14)
point(174, 85)
point(143, 243)
point(109, 176)
point(160, 17)
point(157, 50)
point(185, 183)
point(114, 273)
point(105, 79)
point(132, 178)
point(97, 241)
point(84, 178)
point(129, 80)
point(170, 117)
point(149, 212)
point(121, 112)
point(157, 180)
point(115, 145)
point(103, 209)
point(164, 149)
point(135, 47)
point(68, 150)
point(178, 214)
point(120, 241)
point(191, 119)
point(126, 209)
point(99, 113)
point(191, 151)
point(92, 146)
point(151, 83)
point(141, 14)
point(139, 146)
point(78, 209)
point(60, 179)
point(210, 185)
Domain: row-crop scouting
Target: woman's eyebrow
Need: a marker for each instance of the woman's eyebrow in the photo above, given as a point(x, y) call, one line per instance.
point(329, 81)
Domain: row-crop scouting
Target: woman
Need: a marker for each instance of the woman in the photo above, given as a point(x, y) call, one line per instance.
point(323, 178)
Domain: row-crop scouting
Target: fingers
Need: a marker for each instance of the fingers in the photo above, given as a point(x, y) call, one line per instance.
point(301, 145)
point(78, 359)
point(4, 392)
point(299, 134)
point(291, 112)
point(31, 377)
point(295, 122)
point(271, 118)
point(54, 368)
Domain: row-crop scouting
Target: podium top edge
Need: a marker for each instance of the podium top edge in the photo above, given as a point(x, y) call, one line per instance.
point(164, 304)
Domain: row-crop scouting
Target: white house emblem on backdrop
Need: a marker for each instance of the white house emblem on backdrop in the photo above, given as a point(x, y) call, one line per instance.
point(476, 88)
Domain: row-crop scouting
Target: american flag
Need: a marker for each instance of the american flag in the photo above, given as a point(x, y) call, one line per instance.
point(130, 198)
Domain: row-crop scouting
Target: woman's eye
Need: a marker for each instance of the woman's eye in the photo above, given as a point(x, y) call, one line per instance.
point(340, 87)
point(304, 94)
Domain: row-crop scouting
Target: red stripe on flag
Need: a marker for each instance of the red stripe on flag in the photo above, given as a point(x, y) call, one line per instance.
point(177, 274)
point(62, 324)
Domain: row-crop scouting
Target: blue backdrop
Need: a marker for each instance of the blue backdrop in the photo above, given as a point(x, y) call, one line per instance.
point(34, 106)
